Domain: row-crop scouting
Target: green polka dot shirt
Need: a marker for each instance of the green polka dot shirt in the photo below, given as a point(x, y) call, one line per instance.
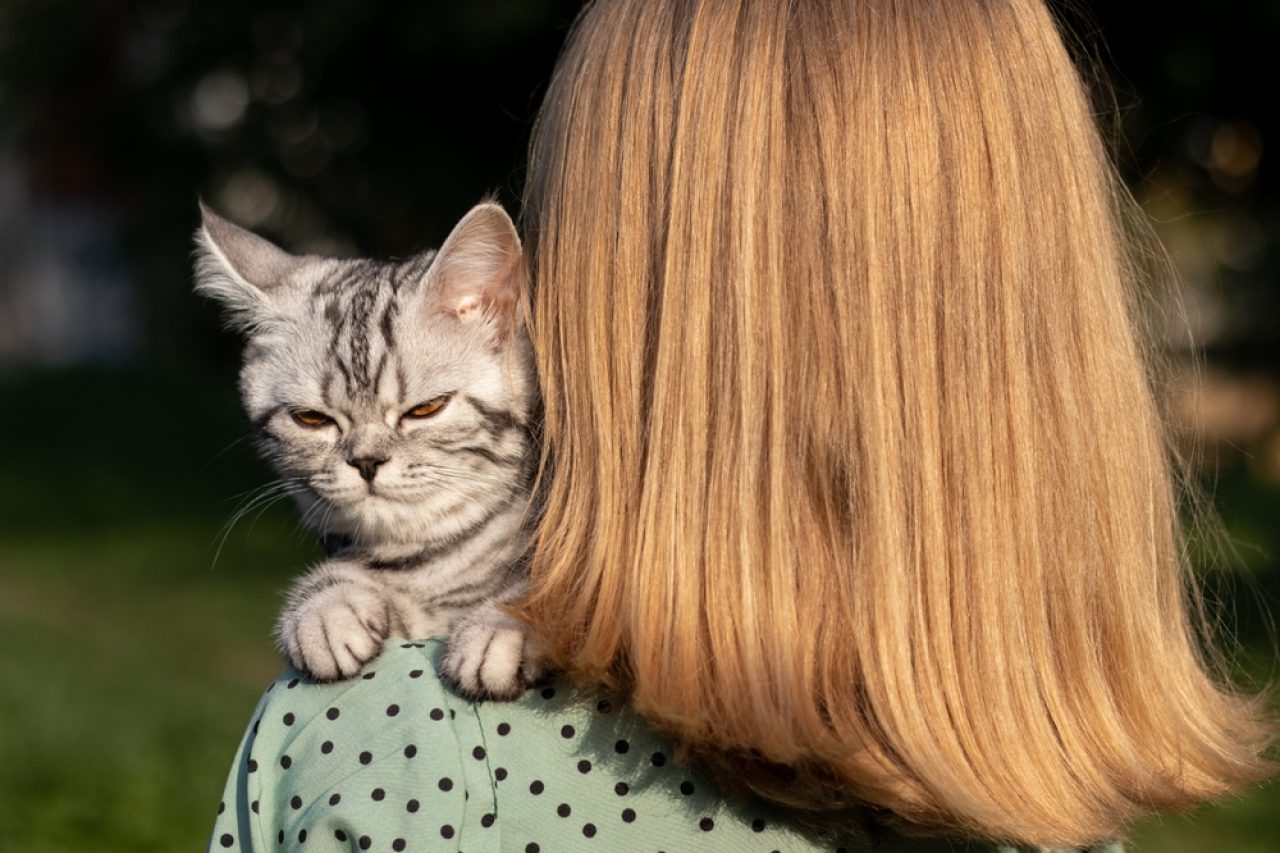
point(395, 761)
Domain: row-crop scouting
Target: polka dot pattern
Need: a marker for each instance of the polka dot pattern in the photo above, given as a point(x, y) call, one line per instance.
point(395, 761)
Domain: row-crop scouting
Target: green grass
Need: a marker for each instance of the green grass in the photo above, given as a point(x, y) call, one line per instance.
point(132, 660)
point(136, 672)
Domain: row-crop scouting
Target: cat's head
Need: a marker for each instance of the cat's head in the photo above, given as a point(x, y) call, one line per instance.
point(393, 397)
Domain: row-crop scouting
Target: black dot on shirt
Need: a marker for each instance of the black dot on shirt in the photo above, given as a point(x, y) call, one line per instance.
point(253, 807)
point(397, 845)
point(589, 830)
point(486, 820)
point(535, 787)
point(286, 762)
point(392, 710)
point(411, 806)
point(296, 801)
point(757, 825)
point(566, 731)
point(222, 807)
point(563, 810)
point(326, 747)
point(280, 837)
point(478, 753)
point(226, 840)
point(548, 693)
point(621, 789)
point(288, 719)
point(368, 675)
point(335, 799)
point(706, 824)
point(446, 831)
point(604, 706)
point(584, 766)
point(417, 673)
point(658, 759)
point(437, 714)
point(504, 729)
point(340, 835)
point(446, 784)
point(366, 757)
point(292, 684)
point(302, 836)
point(332, 713)
point(628, 815)
point(365, 842)
point(253, 766)
point(378, 794)
point(410, 751)
point(453, 715)
point(621, 746)
point(686, 788)
point(531, 848)
point(500, 773)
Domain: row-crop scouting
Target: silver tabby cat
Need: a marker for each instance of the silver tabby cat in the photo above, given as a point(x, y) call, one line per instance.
point(394, 399)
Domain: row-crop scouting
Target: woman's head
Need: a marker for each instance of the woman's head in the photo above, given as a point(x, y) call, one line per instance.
point(852, 463)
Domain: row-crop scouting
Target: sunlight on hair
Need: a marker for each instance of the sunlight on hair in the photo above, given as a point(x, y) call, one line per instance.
point(853, 474)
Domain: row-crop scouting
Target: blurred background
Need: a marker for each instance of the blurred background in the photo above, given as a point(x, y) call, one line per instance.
point(135, 622)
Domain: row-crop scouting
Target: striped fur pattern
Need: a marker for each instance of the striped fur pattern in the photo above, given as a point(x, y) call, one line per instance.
point(394, 399)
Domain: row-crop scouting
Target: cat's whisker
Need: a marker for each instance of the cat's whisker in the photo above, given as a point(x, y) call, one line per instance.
point(260, 498)
point(314, 509)
point(446, 476)
point(321, 510)
point(323, 526)
point(224, 450)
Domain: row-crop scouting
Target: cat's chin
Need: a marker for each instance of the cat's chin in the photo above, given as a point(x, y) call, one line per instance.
point(378, 521)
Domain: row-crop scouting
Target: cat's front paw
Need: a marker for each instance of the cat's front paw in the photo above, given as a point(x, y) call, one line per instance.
point(490, 655)
point(332, 633)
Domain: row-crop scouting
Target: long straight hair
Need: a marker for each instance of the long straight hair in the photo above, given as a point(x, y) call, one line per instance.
point(853, 477)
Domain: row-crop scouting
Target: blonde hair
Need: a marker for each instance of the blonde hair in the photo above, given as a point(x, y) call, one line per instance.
point(853, 477)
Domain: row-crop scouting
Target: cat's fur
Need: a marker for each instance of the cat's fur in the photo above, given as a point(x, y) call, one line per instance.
point(426, 514)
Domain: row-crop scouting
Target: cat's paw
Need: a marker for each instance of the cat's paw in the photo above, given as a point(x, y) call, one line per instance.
point(332, 633)
point(490, 655)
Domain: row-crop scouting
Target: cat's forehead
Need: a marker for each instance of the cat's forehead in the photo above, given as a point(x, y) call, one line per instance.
point(365, 335)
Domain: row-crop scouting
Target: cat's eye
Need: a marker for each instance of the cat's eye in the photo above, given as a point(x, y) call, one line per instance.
point(429, 408)
point(311, 419)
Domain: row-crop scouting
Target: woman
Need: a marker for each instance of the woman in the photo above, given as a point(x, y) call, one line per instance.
point(854, 485)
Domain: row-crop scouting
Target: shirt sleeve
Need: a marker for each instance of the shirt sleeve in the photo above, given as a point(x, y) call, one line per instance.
point(237, 826)
point(372, 763)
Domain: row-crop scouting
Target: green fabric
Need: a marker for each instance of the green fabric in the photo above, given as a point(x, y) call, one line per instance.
point(395, 761)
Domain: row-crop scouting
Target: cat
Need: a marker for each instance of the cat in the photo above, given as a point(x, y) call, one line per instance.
point(395, 400)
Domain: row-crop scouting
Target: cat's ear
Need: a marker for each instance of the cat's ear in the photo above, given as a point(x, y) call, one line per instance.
point(239, 269)
point(478, 272)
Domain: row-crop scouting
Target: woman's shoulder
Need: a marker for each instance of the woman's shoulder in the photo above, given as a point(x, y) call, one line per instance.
point(329, 762)
point(395, 760)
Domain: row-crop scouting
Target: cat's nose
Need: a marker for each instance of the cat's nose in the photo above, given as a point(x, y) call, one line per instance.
point(367, 465)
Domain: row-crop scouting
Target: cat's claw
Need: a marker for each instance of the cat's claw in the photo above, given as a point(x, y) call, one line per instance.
point(490, 655)
point(333, 633)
